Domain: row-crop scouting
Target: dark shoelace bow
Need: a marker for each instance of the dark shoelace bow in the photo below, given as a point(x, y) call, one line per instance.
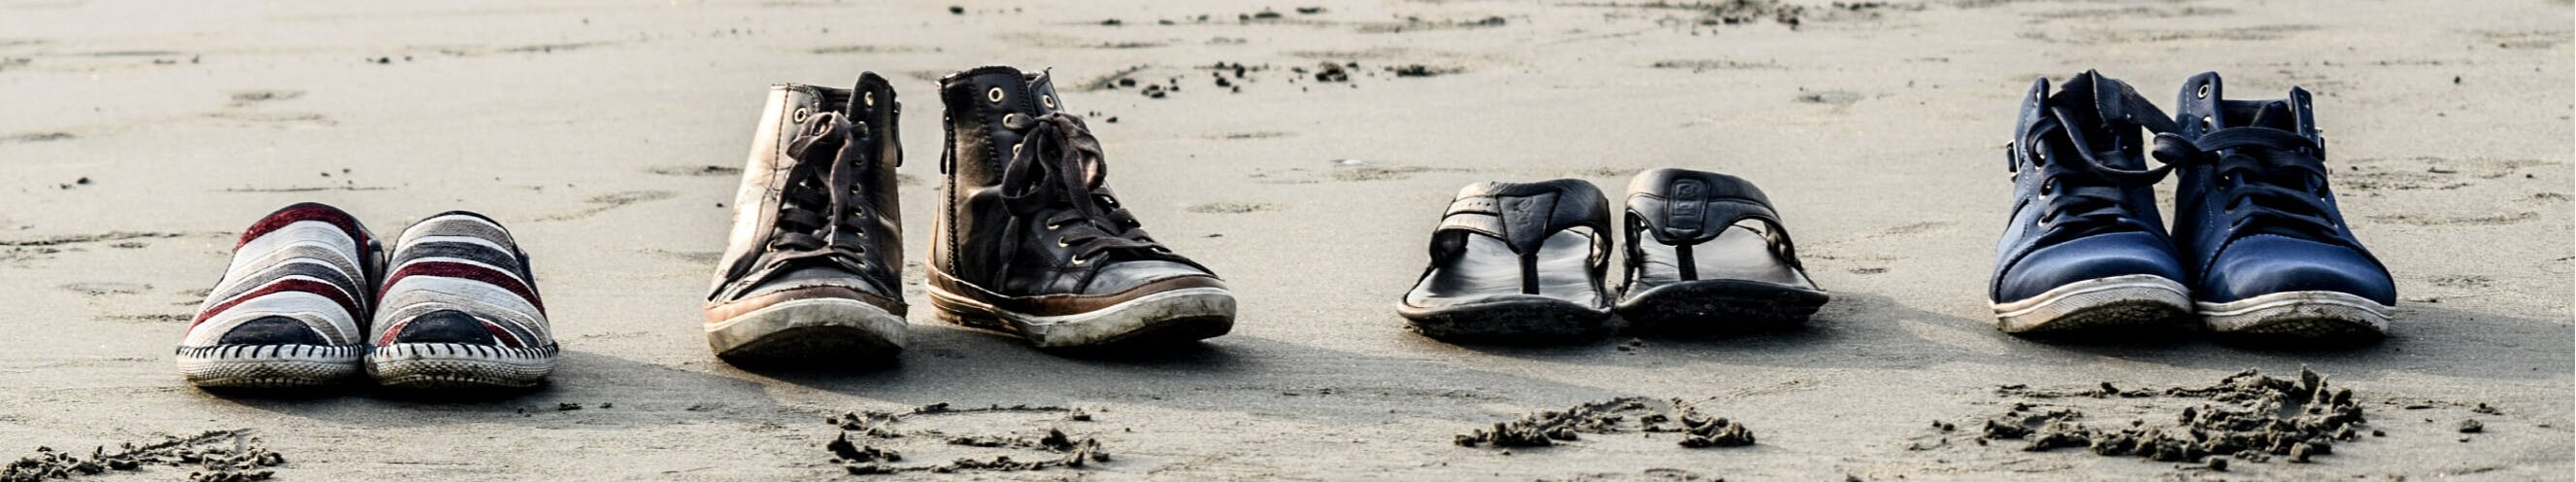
point(2270, 177)
point(2083, 196)
point(1056, 171)
point(820, 215)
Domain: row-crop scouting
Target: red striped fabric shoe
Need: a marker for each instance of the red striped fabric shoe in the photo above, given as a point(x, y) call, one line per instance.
point(287, 311)
point(460, 309)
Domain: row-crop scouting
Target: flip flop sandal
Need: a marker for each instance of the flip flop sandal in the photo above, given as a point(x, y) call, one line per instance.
point(1707, 253)
point(1517, 262)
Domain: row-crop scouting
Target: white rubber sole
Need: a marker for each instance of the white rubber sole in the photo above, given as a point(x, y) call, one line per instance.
point(2097, 304)
point(459, 365)
point(1182, 314)
point(2299, 314)
point(810, 328)
point(269, 366)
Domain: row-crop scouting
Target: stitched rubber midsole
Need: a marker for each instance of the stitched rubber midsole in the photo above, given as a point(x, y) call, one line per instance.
point(749, 327)
point(2286, 311)
point(2039, 311)
point(1107, 323)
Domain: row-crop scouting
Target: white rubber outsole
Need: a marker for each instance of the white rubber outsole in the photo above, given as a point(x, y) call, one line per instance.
point(1211, 310)
point(810, 327)
point(2301, 314)
point(460, 365)
point(2118, 301)
point(269, 366)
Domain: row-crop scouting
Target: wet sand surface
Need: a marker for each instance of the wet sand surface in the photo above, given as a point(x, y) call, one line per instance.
point(138, 138)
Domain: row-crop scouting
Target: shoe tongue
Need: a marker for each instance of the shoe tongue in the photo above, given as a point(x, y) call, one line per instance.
point(2274, 115)
point(867, 97)
point(1042, 86)
point(2093, 106)
point(1027, 94)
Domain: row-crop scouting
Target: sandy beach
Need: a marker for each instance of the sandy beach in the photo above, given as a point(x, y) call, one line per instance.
point(138, 138)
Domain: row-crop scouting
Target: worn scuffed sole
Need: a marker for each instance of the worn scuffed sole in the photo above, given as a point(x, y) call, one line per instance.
point(269, 366)
point(1169, 317)
point(2316, 315)
point(1531, 319)
point(810, 329)
point(460, 365)
point(1720, 305)
point(2114, 304)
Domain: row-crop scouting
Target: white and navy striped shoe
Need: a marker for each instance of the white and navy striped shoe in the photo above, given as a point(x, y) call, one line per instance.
point(287, 311)
point(460, 309)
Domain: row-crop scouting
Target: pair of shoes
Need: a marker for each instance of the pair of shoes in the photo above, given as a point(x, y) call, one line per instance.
point(1028, 239)
point(1705, 252)
point(310, 299)
point(2257, 248)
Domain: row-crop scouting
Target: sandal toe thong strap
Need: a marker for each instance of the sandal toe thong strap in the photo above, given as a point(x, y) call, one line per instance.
point(1684, 208)
point(1525, 215)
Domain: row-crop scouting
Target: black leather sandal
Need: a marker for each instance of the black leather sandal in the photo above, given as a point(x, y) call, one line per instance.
point(1516, 261)
point(1706, 252)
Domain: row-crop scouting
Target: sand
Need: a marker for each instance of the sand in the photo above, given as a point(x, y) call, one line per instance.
point(138, 138)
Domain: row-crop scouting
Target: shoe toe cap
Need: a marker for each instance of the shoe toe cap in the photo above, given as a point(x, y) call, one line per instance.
point(1120, 277)
point(2096, 257)
point(273, 330)
point(2265, 265)
point(444, 326)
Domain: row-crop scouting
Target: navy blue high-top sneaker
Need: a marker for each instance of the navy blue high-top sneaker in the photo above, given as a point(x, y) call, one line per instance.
point(2267, 249)
point(2086, 251)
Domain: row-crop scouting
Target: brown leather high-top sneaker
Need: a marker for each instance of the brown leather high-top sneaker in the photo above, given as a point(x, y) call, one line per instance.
point(815, 266)
point(1029, 240)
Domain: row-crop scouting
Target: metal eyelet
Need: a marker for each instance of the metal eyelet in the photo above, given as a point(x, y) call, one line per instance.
point(1047, 100)
point(2203, 93)
point(799, 116)
point(1060, 244)
point(2206, 121)
point(1080, 260)
point(994, 95)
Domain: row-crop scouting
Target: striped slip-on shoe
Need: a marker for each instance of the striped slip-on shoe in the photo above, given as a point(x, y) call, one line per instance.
point(460, 310)
point(287, 311)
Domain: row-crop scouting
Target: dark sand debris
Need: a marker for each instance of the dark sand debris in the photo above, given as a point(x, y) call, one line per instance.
point(220, 455)
point(2247, 415)
point(859, 458)
point(1618, 415)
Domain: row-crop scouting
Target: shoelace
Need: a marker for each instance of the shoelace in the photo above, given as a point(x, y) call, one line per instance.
point(1057, 172)
point(2269, 176)
point(2082, 195)
point(820, 215)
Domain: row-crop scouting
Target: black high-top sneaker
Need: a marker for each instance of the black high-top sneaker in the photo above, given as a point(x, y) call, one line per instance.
point(814, 268)
point(1029, 240)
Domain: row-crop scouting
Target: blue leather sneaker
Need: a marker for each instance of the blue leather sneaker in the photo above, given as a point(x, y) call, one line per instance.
point(2086, 251)
point(2268, 251)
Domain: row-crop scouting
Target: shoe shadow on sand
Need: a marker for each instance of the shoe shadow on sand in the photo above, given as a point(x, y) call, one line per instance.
point(2424, 339)
point(1865, 331)
point(584, 380)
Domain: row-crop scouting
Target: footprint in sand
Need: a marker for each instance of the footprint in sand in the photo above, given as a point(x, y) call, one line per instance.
point(605, 202)
point(1232, 207)
point(2437, 221)
point(37, 137)
point(248, 97)
point(103, 288)
point(708, 170)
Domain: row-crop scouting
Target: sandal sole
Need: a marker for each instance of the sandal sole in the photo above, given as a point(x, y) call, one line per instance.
point(1720, 305)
